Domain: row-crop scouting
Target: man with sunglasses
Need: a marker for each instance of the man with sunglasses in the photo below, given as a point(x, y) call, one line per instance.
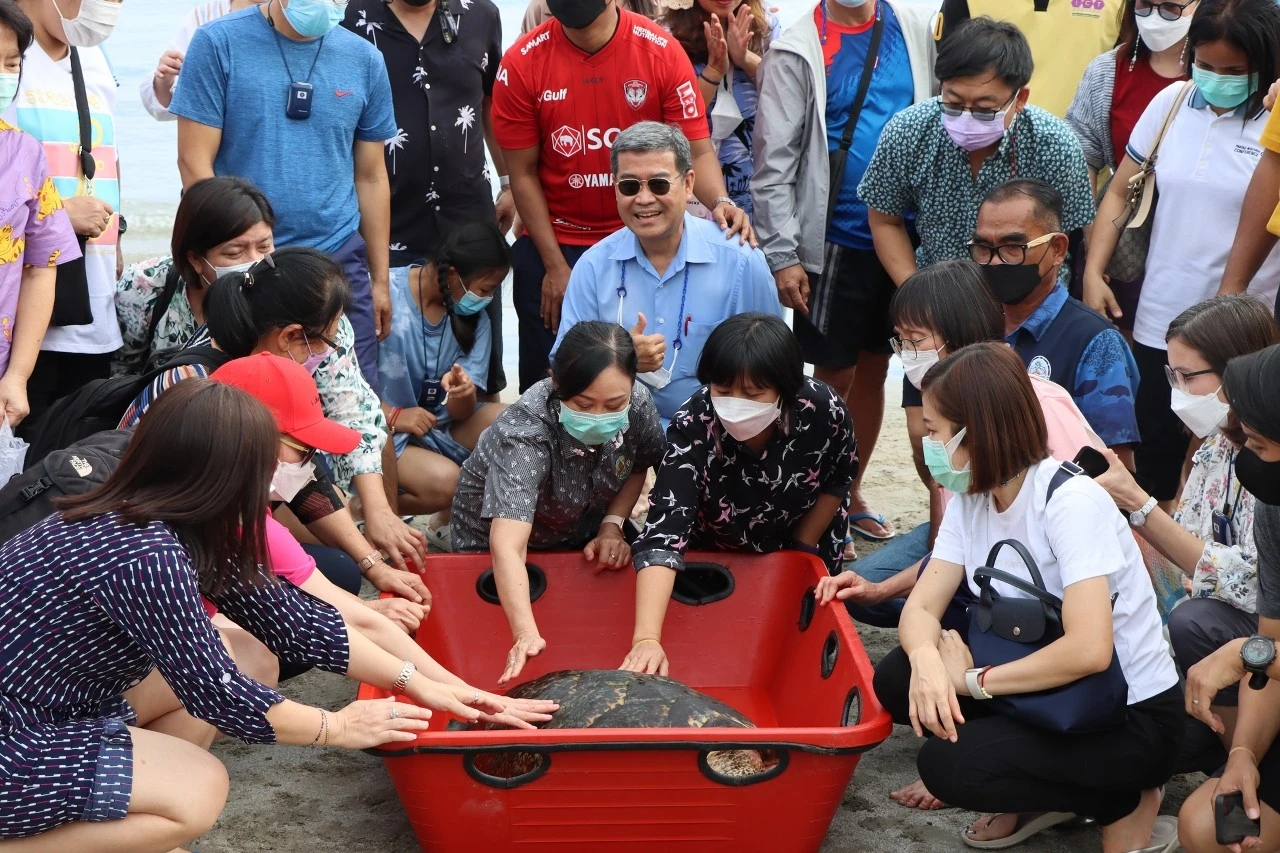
point(561, 97)
point(1019, 242)
point(940, 158)
point(667, 276)
point(1064, 36)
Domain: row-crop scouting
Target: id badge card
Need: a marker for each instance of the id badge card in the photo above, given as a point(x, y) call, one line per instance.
point(1222, 533)
point(432, 395)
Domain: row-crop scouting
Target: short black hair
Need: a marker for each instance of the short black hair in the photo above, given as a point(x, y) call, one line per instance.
point(12, 16)
point(1252, 27)
point(951, 299)
point(213, 211)
point(1047, 200)
point(589, 349)
point(985, 46)
point(754, 348)
point(1250, 383)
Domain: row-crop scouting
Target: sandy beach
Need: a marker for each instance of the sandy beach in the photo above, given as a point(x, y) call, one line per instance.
point(294, 800)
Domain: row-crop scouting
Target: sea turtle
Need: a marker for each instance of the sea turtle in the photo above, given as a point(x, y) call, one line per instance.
point(612, 698)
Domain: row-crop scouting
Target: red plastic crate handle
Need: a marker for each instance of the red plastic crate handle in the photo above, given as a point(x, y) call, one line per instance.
point(504, 782)
point(704, 764)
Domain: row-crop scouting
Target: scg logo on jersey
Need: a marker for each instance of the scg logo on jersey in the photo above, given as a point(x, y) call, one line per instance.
point(568, 141)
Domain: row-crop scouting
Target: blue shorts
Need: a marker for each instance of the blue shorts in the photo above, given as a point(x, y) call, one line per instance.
point(440, 441)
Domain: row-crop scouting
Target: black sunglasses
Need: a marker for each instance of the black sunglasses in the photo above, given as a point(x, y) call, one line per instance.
point(631, 186)
point(1169, 11)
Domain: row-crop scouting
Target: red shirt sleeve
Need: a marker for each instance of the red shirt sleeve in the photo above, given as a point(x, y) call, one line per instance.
point(515, 120)
point(681, 101)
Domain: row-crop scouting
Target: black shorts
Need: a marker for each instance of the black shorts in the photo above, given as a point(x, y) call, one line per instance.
point(858, 292)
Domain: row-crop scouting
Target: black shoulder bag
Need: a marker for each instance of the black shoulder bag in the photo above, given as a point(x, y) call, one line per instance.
point(71, 288)
point(1004, 629)
point(841, 154)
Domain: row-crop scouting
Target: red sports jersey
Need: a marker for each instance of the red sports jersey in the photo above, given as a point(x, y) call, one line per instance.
point(573, 106)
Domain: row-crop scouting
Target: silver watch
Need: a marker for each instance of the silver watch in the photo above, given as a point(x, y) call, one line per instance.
point(724, 199)
point(1138, 518)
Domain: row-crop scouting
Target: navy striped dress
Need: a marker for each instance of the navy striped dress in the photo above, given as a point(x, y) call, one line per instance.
point(87, 609)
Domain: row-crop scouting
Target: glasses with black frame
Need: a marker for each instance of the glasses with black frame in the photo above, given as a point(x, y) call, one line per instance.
point(906, 346)
point(980, 113)
point(1178, 377)
point(1168, 10)
point(308, 453)
point(631, 187)
point(306, 336)
point(1012, 255)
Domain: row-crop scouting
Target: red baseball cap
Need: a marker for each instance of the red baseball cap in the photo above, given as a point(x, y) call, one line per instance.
point(287, 389)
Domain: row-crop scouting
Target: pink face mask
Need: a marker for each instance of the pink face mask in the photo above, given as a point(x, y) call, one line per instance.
point(974, 134)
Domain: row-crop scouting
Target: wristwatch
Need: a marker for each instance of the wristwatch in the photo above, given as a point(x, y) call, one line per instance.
point(122, 223)
point(1138, 518)
point(724, 199)
point(973, 680)
point(1258, 653)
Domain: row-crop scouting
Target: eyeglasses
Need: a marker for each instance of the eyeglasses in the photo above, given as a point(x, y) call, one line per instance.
point(905, 346)
point(308, 453)
point(1014, 254)
point(1178, 377)
point(631, 186)
point(307, 338)
point(1168, 10)
point(979, 113)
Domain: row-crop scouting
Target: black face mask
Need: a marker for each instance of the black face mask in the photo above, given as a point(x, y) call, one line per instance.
point(1260, 479)
point(418, 2)
point(1012, 284)
point(576, 14)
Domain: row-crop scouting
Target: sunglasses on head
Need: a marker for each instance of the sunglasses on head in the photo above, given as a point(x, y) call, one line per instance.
point(631, 186)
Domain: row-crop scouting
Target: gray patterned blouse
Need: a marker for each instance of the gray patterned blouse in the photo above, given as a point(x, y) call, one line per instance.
point(527, 468)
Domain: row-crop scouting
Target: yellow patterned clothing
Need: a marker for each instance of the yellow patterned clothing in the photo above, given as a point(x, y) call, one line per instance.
point(35, 231)
point(1065, 36)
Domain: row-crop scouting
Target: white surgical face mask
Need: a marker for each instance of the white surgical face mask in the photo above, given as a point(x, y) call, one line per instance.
point(1203, 414)
point(1159, 34)
point(219, 272)
point(93, 25)
point(744, 419)
point(290, 478)
point(917, 364)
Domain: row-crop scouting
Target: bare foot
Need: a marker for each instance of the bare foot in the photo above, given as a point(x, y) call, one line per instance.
point(917, 796)
point(1133, 831)
point(993, 826)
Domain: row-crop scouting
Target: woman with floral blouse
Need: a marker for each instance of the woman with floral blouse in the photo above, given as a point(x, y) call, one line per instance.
point(35, 232)
point(760, 459)
point(1210, 535)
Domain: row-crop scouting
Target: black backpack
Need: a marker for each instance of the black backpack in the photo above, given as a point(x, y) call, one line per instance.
point(27, 499)
point(99, 405)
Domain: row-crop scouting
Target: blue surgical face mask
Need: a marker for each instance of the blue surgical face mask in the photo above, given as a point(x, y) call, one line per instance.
point(471, 304)
point(937, 456)
point(1224, 91)
point(8, 90)
point(314, 18)
point(593, 430)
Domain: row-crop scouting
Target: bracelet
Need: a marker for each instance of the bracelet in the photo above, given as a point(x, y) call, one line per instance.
point(1246, 749)
point(973, 681)
point(504, 181)
point(370, 561)
point(324, 730)
point(402, 680)
point(614, 519)
point(706, 79)
point(391, 421)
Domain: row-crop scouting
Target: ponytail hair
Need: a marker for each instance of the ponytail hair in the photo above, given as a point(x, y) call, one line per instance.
point(293, 285)
point(473, 249)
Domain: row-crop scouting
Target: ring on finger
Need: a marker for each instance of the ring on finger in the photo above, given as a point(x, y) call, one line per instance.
point(395, 713)
point(1195, 701)
point(475, 700)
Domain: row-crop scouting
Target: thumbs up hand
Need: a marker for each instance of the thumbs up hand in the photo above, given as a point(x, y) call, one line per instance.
point(457, 383)
point(651, 350)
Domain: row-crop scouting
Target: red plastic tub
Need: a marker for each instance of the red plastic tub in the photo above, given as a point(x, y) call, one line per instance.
point(797, 671)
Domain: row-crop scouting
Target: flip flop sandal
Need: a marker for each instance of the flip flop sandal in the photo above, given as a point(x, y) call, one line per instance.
point(844, 552)
point(870, 537)
point(1164, 836)
point(439, 539)
point(1025, 829)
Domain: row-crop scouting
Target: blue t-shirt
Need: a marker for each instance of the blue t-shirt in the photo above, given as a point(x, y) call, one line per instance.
point(417, 349)
point(892, 90)
point(234, 78)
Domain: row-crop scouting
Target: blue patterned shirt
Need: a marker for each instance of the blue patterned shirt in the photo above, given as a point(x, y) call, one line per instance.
point(917, 166)
point(1106, 381)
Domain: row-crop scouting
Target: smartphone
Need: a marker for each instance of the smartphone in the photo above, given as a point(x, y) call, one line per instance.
point(1091, 461)
point(1230, 821)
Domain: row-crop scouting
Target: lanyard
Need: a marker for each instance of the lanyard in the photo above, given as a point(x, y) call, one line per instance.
point(283, 59)
point(682, 322)
point(1226, 495)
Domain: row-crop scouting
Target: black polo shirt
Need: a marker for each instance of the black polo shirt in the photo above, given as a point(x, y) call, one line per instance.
point(436, 162)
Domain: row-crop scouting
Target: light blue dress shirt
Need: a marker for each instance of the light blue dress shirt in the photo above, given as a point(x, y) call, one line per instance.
point(723, 277)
